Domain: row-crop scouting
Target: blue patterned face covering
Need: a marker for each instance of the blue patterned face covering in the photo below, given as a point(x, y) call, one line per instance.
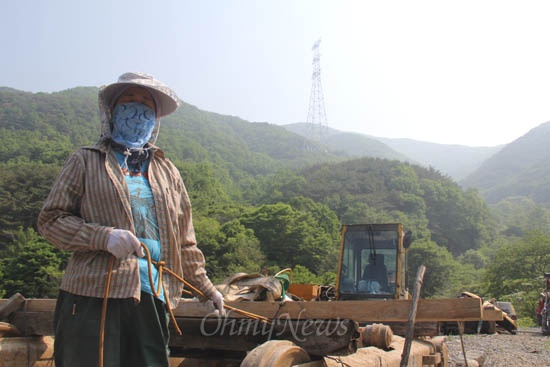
point(133, 124)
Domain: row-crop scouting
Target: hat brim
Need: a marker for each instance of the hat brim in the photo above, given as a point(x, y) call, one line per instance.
point(165, 97)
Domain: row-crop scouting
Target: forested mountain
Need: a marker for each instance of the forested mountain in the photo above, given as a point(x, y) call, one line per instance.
point(69, 119)
point(352, 144)
point(372, 190)
point(456, 161)
point(263, 197)
point(521, 168)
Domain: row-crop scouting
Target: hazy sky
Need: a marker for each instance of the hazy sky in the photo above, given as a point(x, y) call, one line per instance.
point(453, 72)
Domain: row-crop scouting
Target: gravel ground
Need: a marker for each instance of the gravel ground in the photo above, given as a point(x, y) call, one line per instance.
point(527, 348)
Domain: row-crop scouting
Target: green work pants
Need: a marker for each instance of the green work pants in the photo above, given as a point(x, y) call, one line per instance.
point(136, 334)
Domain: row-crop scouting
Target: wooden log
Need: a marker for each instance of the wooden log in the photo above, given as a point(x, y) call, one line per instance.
point(34, 304)
point(7, 329)
point(422, 353)
point(420, 328)
point(382, 311)
point(412, 316)
point(204, 361)
point(444, 352)
point(375, 335)
point(237, 336)
point(431, 360)
point(275, 353)
point(10, 305)
point(318, 363)
point(28, 351)
point(37, 319)
point(371, 356)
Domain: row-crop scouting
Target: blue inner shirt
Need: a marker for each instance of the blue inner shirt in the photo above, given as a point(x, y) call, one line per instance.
point(145, 220)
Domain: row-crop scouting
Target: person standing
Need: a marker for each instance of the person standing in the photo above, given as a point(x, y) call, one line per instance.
point(109, 200)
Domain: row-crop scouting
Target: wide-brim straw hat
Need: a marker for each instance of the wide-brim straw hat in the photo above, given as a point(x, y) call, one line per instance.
point(165, 98)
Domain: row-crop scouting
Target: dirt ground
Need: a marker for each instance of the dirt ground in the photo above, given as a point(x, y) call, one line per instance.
point(527, 348)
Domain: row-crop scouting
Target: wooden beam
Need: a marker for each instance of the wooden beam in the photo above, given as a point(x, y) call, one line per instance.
point(429, 310)
point(38, 313)
point(34, 304)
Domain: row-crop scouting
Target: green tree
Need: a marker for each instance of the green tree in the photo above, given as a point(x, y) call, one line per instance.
point(31, 266)
point(209, 240)
point(243, 253)
point(519, 265)
point(279, 187)
point(203, 182)
point(516, 272)
point(289, 237)
point(458, 220)
point(228, 248)
point(23, 188)
point(302, 275)
point(519, 214)
point(440, 268)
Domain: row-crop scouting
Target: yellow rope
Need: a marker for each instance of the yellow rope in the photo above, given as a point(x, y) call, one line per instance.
point(160, 265)
point(104, 311)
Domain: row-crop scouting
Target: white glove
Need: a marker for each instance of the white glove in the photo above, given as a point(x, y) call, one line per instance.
point(122, 243)
point(217, 300)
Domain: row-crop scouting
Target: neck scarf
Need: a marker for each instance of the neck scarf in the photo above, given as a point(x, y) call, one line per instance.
point(133, 124)
point(133, 158)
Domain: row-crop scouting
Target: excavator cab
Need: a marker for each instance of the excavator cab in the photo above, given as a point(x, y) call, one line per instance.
point(372, 262)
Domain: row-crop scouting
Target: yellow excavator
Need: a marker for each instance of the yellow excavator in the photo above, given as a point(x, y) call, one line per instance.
point(372, 265)
point(373, 262)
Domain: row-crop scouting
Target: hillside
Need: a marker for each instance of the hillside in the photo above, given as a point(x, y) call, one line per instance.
point(521, 168)
point(61, 121)
point(352, 144)
point(46, 127)
point(456, 161)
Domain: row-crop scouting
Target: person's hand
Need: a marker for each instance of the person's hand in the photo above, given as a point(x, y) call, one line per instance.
point(217, 300)
point(121, 243)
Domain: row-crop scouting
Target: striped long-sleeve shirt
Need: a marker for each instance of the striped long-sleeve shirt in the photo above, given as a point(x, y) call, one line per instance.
point(90, 198)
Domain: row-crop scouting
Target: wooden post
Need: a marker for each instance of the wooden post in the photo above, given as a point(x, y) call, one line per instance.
point(412, 315)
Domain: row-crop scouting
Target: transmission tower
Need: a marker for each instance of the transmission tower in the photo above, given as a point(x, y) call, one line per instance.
point(317, 125)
